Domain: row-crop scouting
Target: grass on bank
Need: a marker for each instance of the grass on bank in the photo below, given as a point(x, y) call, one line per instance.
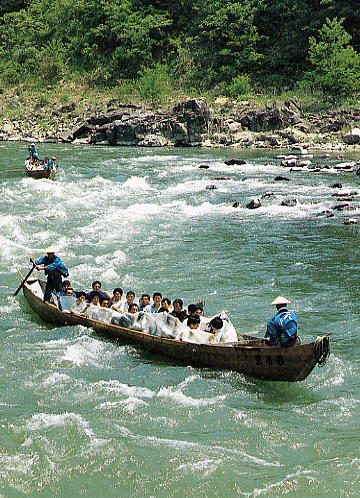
point(154, 89)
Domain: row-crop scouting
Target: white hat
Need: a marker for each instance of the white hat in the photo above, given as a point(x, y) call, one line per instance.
point(50, 250)
point(280, 300)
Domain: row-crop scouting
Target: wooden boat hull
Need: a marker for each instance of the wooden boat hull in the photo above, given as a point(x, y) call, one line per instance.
point(254, 358)
point(40, 172)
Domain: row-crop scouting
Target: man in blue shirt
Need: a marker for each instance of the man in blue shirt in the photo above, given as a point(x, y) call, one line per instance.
point(33, 152)
point(282, 327)
point(50, 164)
point(96, 286)
point(54, 269)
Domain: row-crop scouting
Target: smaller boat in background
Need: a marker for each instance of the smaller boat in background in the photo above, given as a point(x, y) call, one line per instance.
point(36, 169)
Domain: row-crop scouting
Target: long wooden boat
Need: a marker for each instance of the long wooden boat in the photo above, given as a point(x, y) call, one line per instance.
point(250, 356)
point(39, 172)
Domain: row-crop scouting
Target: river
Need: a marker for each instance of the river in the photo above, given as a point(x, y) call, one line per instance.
point(81, 415)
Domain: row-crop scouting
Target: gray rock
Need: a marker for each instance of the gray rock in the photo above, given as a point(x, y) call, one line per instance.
point(289, 202)
point(353, 137)
point(234, 160)
point(254, 203)
point(267, 195)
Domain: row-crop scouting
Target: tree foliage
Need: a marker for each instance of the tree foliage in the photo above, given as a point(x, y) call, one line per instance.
point(336, 65)
point(221, 44)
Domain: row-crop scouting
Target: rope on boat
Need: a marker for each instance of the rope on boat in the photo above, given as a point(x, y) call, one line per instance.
point(322, 349)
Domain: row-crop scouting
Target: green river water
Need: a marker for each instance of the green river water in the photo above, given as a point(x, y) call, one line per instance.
point(83, 416)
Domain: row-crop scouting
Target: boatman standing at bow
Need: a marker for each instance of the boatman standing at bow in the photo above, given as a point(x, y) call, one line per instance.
point(282, 327)
point(54, 269)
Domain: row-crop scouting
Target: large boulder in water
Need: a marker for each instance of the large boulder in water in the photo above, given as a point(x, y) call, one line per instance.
point(254, 203)
point(234, 160)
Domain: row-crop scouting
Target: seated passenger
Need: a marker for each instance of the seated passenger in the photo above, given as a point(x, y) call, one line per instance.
point(163, 310)
point(144, 302)
point(193, 322)
point(96, 286)
point(80, 304)
point(214, 325)
point(166, 303)
point(154, 307)
point(94, 303)
point(104, 303)
point(191, 308)
point(116, 300)
point(130, 299)
point(66, 302)
point(65, 284)
point(95, 299)
point(198, 311)
point(178, 311)
point(194, 310)
point(133, 308)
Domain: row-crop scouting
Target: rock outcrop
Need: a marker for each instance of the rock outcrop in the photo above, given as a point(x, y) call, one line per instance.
point(189, 123)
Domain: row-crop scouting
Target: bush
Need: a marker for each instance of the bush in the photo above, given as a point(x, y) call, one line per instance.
point(154, 83)
point(240, 85)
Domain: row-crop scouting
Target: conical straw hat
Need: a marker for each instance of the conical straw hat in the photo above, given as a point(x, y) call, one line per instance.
point(50, 249)
point(280, 300)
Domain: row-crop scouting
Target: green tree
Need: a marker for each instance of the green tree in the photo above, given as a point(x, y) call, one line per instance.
point(335, 63)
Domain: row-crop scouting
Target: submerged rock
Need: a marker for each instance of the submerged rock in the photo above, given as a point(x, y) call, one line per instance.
point(281, 179)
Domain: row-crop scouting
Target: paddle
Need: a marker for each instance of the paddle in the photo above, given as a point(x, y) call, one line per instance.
point(24, 280)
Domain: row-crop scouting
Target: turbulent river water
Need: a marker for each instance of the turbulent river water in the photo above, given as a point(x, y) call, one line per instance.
point(81, 415)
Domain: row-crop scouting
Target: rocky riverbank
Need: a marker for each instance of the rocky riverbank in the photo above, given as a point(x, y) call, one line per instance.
point(190, 123)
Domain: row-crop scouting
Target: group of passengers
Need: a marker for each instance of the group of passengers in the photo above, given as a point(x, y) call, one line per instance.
point(87, 302)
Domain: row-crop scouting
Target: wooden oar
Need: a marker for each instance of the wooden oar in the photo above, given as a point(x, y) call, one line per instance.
point(24, 280)
point(11, 170)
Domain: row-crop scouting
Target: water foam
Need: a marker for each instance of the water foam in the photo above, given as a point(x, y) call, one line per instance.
point(85, 351)
point(179, 397)
point(43, 421)
point(186, 445)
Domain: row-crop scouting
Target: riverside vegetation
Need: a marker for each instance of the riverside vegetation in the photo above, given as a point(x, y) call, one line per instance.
point(65, 64)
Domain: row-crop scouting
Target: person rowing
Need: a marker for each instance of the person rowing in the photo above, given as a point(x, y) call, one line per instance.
point(54, 269)
point(34, 156)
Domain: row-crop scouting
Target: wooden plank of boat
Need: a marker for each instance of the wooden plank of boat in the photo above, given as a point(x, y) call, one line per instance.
point(39, 172)
point(251, 356)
